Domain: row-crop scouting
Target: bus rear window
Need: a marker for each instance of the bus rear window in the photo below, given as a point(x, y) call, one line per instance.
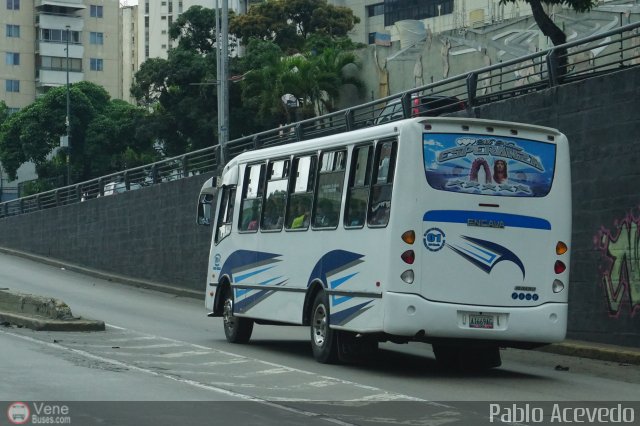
point(488, 165)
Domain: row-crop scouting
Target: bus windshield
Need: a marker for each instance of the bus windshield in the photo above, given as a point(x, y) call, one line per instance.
point(486, 165)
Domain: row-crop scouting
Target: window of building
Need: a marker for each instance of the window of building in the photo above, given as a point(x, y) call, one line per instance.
point(163, 18)
point(13, 30)
point(179, 7)
point(375, 10)
point(146, 7)
point(57, 63)
point(11, 111)
point(96, 38)
point(59, 36)
point(170, 7)
point(12, 58)
point(13, 4)
point(398, 10)
point(96, 64)
point(164, 46)
point(12, 86)
point(95, 11)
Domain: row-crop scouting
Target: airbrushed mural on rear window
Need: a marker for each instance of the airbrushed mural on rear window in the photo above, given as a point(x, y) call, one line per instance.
point(480, 164)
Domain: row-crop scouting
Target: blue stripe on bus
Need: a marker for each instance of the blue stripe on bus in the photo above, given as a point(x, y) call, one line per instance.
point(346, 315)
point(463, 216)
point(243, 277)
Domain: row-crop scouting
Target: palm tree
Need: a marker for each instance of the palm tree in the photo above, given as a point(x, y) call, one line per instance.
point(315, 80)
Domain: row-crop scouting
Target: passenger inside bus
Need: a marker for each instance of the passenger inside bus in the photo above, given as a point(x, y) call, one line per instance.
point(326, 214)
point(300, 214)
point(356, 212)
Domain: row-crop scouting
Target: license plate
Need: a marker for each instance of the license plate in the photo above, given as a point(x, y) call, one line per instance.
point(480, 321)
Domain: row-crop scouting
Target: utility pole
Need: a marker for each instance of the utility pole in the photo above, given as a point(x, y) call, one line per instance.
point(68, 119)
point(222, 41)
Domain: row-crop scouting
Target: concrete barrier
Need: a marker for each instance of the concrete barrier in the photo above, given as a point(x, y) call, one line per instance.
point(42, 313)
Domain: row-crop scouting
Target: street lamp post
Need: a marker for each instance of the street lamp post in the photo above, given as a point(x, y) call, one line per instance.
point(68, 119)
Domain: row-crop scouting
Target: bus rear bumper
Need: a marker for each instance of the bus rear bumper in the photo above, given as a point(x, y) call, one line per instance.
point(416, 316)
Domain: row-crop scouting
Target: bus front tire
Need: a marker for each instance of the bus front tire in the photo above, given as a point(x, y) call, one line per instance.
point(236, 329)
point(324, 340)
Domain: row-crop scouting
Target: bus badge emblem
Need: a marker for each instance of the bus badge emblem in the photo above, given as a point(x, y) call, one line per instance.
point(434, 239)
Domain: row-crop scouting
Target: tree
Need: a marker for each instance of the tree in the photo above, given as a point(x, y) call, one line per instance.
point(289, 23)
point(546, 24)
point(195, 30)
point(314, 80)
point(101, 131)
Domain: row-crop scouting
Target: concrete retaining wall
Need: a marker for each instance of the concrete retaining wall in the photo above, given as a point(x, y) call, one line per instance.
point(151, 233)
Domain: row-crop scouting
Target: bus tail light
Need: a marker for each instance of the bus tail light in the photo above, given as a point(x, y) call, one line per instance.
point(409, 237)
point(407, 276)
point(561, 248)
point(415, 111)
point(559, 267)
point(409, 257)
point(557, 286)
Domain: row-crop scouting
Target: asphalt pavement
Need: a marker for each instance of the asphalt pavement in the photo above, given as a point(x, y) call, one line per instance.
point(583, 349)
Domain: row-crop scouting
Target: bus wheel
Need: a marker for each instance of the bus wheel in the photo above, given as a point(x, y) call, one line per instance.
point(324, 340)
point(236, 329)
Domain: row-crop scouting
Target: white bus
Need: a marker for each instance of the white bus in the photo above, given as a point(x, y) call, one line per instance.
point(450, 231)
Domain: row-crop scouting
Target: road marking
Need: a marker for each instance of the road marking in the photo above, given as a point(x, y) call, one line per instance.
point(394, 396)
point(194, 383)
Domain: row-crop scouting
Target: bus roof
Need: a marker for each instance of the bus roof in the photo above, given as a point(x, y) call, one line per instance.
point(383, 131)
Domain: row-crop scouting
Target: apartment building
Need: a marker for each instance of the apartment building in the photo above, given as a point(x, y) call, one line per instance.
point(34, 40)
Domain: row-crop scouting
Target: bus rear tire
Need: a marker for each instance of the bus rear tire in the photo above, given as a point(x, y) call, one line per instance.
point(236, 329)
point(324, 340)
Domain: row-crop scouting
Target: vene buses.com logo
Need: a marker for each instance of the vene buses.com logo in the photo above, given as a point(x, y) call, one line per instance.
point(434, 239)
point(18, 413)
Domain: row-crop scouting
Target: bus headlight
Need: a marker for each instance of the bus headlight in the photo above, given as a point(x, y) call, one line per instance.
point(407, 276)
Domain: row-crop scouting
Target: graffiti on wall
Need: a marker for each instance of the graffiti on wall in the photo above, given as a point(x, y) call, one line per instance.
point(620, 265)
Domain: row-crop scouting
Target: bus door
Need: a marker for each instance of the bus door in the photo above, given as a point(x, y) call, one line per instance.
point(488, 234)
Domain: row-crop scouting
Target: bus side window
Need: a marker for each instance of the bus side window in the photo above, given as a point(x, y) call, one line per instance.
point(331, 172)
point(384, 167)
point(225, 215)
point(251, 206)
point(301, 192)
point(359, 184)
point(277, 174)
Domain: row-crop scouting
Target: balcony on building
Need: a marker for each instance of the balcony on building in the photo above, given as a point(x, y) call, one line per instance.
point(55, 22)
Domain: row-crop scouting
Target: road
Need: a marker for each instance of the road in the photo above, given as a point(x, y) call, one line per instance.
point(160, 347)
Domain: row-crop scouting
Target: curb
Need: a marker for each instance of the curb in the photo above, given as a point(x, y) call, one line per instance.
point(603, 352)
point(41, 313)
point(46, 324)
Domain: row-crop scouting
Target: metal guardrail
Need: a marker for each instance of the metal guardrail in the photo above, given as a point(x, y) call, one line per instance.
point(595, 55)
